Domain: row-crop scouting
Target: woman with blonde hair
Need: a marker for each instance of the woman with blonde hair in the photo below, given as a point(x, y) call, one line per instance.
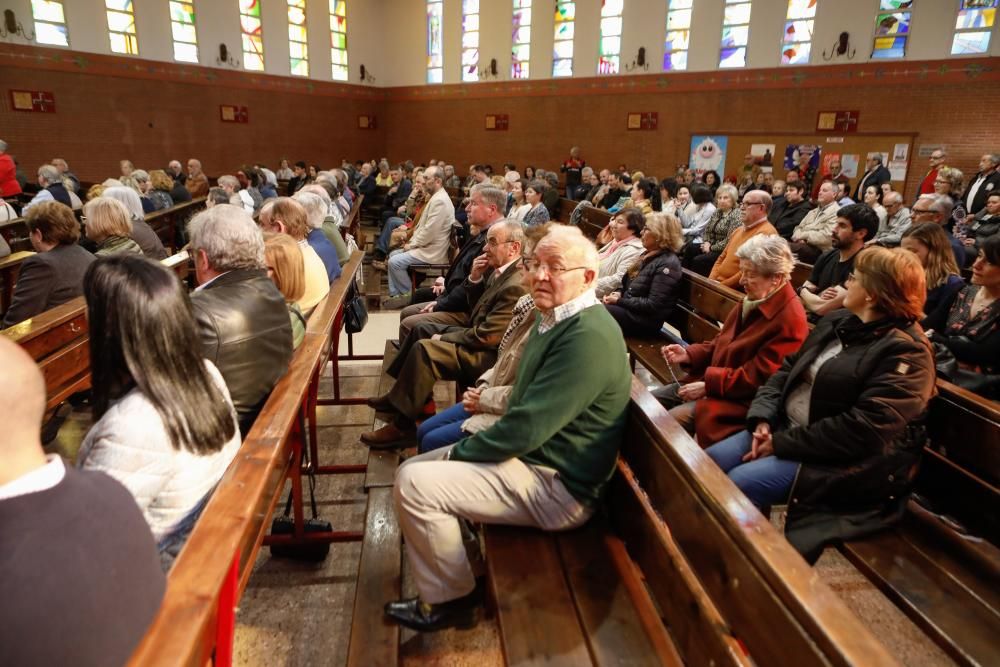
point(930, 243)
point(286, 268)
point(838, 431)
point(109, 225)
point(649, 286)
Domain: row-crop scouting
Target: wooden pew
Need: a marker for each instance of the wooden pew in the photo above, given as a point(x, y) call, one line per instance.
point(684, 570)
point(941, 566)
point(169, 223)
point(196, 620)
point(566, 207)
point(10, 266)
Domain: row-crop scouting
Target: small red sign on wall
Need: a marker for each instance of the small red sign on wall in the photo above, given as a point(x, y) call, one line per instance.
point(33, 100)
point(366, 122)
point(643, 120)
point(497, 122)
point(233, 114)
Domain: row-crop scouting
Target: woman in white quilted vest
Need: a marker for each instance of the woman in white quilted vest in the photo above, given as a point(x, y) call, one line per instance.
point(165, 424)
point(622, 251)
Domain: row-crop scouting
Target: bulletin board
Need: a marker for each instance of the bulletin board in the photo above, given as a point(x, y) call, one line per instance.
point(860, 144)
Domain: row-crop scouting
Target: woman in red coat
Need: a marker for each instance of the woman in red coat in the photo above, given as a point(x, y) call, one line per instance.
point(723, 374)
point(8, 173)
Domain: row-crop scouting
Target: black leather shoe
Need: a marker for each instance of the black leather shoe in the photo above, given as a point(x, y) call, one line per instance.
point(380, 403)
point(423, 617)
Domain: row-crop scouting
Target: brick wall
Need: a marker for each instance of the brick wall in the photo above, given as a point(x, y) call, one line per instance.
point(114, 109)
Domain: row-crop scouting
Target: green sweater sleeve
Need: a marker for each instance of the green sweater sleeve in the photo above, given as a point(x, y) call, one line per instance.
point(552, 388)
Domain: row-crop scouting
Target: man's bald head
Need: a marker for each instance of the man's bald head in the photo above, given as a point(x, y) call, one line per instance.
point(22, 406)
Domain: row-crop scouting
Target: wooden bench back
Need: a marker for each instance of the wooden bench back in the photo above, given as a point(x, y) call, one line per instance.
point(719, 571)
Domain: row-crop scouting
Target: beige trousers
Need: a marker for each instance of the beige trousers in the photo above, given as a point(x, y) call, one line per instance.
point(411, 316)
point(432, 494)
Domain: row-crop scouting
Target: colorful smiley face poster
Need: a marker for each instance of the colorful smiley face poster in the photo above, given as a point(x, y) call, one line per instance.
point(708, 154)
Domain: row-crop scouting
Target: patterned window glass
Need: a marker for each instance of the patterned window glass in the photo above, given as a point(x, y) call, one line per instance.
point(298, 38)
point(435, 59)
point(797, 40)
point(562, 48)
point(338, 39)
point(253, 35)
point(735, 32)
point(973, 27)
point(520, 40)
point(675, 49)
point(183, 31)
point(892, 27)
point(121, 26)
point(609, 59)
point(50, 22)
point(470, 40)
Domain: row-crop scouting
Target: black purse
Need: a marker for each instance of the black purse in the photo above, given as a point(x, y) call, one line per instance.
point(313, 552)
point(355, 311)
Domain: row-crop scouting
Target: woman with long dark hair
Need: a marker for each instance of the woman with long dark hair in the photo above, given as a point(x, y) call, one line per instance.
point(165, 426)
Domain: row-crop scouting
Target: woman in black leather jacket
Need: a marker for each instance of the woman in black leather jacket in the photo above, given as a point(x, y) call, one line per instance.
point(837, 432)
point(649, 287)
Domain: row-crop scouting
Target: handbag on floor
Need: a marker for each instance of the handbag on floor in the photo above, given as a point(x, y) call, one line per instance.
point(355, 311)
point(314, 552)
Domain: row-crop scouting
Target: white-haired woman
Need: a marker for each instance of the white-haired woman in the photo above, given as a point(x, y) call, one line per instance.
point(142, 233)
point(723, 374)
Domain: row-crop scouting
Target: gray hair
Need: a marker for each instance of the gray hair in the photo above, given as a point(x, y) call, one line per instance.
point(514, 229)
point(319, 191)
point(127, 196)
point(994, 157)
point(140, 175)
point(891, 197)
point(316, 208)
point(765, 199)
point(769, 254)
point(3, 145)
point(491, 194)
point(728, 189)
point(571, 240)
point(431, 173)
point(552, 178)
point(228, 179)
point(587, 171)
point(229, 236)
point(49, 174)
point(943, 205)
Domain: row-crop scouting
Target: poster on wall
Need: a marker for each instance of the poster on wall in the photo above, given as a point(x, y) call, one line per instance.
point(897, 170)
point(708, 153)
point(796, 153)
point(900, 152)
point(763, 156)
point(849, 164)
point(827, 159)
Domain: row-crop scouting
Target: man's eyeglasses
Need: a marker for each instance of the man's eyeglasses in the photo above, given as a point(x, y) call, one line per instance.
point(551, 271)
point(747, 204)
point(493, 243)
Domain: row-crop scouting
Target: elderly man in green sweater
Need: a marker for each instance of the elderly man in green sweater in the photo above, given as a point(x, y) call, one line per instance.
point(544, 463)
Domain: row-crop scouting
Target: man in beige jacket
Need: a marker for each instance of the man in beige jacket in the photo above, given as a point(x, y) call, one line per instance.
point(431, 238)
point(814, 235)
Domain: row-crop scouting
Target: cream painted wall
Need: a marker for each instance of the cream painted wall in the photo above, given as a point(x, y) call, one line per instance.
point(389, 36)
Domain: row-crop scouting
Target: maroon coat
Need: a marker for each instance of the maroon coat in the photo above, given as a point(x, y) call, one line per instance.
point(740, 359)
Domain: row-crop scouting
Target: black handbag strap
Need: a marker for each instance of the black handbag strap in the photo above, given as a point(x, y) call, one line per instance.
point(311, 472)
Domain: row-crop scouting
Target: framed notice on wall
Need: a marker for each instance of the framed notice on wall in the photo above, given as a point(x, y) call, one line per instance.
point(366, 122)
point(229, 113)
point(38, 101)
point(497, 122)
point(642, 120)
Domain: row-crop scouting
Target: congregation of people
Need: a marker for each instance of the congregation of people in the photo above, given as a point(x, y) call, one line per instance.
point(811, 395)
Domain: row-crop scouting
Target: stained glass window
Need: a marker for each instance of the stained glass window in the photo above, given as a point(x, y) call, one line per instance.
point(121, 26)
point(892, 28)
point(338, 39)
point(435, 59)
point(298, 38)
point(675, 49)
point(520, 49)
point(973, 27)
point(253, 35)
point(609, 59)
point(797, 41)
point(562, 47)
point(50, 22)
point(470, 40)
point(735, 31)
point(183, 31)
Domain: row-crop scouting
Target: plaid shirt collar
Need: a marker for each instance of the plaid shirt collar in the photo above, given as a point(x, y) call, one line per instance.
point(567, 310)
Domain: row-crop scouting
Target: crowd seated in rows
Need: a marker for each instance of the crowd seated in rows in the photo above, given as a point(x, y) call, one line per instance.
point(165, 426)
point(838, 428)
point(78, 558)
point(648, 287)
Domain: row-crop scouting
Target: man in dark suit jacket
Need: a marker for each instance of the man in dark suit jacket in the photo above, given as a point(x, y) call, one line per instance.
point(875, 174)
point(446, 302)
point(81, 577)
point(460, 353)
point(242, 317)
point(54, 275)
point(983, 185)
